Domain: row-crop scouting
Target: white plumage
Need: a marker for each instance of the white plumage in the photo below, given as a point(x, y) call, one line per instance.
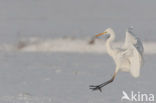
point(135, 48)
point(129, 58)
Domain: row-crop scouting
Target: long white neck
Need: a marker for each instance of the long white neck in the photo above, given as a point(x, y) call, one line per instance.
point(109, 48)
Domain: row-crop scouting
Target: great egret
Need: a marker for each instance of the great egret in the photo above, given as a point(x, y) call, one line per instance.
point(129, 58)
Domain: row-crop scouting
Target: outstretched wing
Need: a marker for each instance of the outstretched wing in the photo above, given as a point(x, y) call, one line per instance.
point(131, 39)
point(134, 46)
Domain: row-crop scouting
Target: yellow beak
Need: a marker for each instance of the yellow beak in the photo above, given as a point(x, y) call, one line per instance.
point(101, 34)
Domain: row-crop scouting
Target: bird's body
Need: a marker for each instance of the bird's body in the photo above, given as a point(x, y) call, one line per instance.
point(129, 58)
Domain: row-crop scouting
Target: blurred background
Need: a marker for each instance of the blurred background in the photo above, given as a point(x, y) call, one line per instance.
point(82, 18)
point(45, 56)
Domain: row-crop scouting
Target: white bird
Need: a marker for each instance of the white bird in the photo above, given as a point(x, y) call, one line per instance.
point(129, 58)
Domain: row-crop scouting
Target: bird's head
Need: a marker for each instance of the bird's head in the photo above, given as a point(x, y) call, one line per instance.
point(106, 33)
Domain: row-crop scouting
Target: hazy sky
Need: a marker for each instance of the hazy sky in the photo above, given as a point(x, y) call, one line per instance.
point(76, 17)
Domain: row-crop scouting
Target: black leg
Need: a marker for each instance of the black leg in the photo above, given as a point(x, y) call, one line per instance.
point(98, 87)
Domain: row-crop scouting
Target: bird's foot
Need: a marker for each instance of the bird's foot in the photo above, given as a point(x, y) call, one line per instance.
point(98, 87)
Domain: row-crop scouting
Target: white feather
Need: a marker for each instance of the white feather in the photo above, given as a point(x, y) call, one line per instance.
point(130, 57)
point(134, 44)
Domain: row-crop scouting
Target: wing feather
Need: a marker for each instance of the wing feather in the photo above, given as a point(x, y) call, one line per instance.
point(135, 62)
point(134, 45)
